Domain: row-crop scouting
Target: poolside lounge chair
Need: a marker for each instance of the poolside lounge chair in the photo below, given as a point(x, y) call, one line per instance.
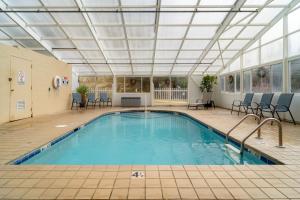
point(91, 100)
point(76, 99)
point(283, 105)
point(265, 103)
point(104, 99)
point(246, 103)
point(201, 102)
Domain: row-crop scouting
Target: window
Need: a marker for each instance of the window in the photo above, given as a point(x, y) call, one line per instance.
point(222, 83)
point(247, 81)
point(229, 83)
point(120, 84)
point(104, 82)
point(277, 77)
point(261, 79)
point(133, 84)
point(272, 51)
point(295, 75)
point(179, 82)
point(237, 82)
point(145, 84)
point(161, 82)
point(88, 81)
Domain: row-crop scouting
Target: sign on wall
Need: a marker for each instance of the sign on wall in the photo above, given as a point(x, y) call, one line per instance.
point(21, 78)
point(20, 105)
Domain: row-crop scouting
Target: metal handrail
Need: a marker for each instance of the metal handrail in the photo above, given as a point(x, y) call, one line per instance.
point(245, 117)
point(258, 128)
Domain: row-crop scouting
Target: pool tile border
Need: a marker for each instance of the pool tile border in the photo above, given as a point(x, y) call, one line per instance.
point(260, 155)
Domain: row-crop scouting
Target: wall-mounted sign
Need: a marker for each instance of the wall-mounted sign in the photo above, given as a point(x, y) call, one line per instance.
point(65, 80)
point(21, 78)
point(20, 105)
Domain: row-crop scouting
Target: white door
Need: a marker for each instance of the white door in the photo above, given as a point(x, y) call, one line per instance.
point(20, 89)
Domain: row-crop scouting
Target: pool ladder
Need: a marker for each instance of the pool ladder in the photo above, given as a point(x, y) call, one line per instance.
point(258, 129)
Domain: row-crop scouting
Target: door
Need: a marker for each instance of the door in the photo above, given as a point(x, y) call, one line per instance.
point(20, 89)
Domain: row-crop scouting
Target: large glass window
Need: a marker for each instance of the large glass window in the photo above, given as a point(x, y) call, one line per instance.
point(229, 83)
point(120, 84)
point(237, 82)
point(222, 82)
point(145, 84)
point(247, 81)
point(295, 75)
point(161, 82)
point(88, 81)
point(133, 84)
point(179, 82)
point(261, 79)
point(104, 82)
point(276, 77)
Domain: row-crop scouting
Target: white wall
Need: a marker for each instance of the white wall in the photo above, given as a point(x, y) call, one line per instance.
point(75, 82)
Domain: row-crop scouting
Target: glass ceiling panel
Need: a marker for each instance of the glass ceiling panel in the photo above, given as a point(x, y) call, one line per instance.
point(139, 18)
point(195, 44)
point(178, 2)
point(293, 21)
point(250, 31)
point(165, 54)
point(110, 32)
point(174, 18)
point(69, 18)
point(4, 19)
point(189, 54)
point(223, 44)
point(212, 54)
point(231, 32)
point(116, 54)
point(275, 32)
point(229, 54)
point(206, 32)
point(67, 54)
point(85, 44)
point(9, 42)
point(209, 18)
point(37, 18)
point(238, 44)
point(217, 2)
point(266, 15)
point(105, 18)
point(101, 3)
point(168, 44)
point(30, 43)
point(164, 60)
point(3, 35)
point(114, 44)
point(138, 2)
point(60, 43)
point(241, 18)
point(49, 32)
point(171, 32)
point(141, 44)
point(59, 3)
point(141, 54)
point(92, 54)
point(15, 32)
point(140, 32)
point(280, 2)
point(78, 32)
point(22, 3)
point(255, 2)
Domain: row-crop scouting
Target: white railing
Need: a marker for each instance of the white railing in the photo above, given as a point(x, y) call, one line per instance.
point(98, 90)
point(174, 94)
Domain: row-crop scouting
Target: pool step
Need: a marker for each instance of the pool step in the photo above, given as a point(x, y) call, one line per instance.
point(229, 146)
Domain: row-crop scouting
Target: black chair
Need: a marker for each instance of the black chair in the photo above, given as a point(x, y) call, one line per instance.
point(76, 99)
point(104, 99)
point(283, 105)
point(246, 103)
point(91, 100)
point(204, 102)
point(265, 103)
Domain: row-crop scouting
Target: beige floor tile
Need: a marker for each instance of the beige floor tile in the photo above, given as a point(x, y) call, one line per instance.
point(183, 183)
point(164, 167)
point(95, 174)
point(50, 193)
point(168, 182)
point(16, 193)
point(85, 194)
point(180, 174)
point(194, 174)
point(29, 183)
point(222, 193)
point(110, 175)
point(239, 193)
point(4, 192)
point(137, 183)
point(59, 183)
point(170, 193)
point(75, 183)
point(166, 174)
point(153, 193)
point(214, 183)
point(260, 183)
point(90, 183)
point(124, 174)
point(68, 194)
point(106, 183)
point(153, 182)
point(122, 183)
point(245, 183)
point(120, 193)
point(229, 183)
point(199, 183)
point(204, 193)
point(289, 193)
point(152, 174)
point(177, 167)
point(137, 193)
point(273, 193)
point(256, 193)
point(187, 193)
point(102, 194)
point(34, 193)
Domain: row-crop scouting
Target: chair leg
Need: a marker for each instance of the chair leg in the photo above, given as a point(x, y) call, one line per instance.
point(292, 117)
point(239, 110)
point(72, 104)
point(278, 116)
point(231, 109)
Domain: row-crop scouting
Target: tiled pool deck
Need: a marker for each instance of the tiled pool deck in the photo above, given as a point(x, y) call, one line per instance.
point(168, 182)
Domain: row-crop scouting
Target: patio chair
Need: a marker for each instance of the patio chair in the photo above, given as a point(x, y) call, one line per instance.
point(76, 99)
point(283, 105)
point(265, 103)
point(91, 100)
point(246, 103)
point(104, 99)
point(206, 99)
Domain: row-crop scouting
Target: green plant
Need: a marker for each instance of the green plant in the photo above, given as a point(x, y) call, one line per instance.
point(83, 90)
point(208, 83)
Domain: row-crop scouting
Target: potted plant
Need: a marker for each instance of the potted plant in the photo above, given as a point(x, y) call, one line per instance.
point(207, 84)
point(82, 90)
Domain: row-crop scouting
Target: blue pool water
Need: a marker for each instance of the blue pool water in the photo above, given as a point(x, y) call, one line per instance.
point(142, 138)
